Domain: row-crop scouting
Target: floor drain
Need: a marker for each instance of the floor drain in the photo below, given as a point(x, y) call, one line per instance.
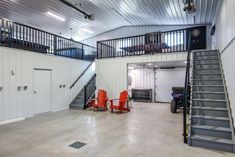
point(77, 145)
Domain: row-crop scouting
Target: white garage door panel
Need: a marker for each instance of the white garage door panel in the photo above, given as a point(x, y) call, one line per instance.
point(165, 80)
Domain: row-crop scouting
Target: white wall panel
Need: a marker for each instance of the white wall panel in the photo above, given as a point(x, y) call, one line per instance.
point(65, 71)
point(1, 84)
point(139, 30)
point(111, 74)
point(142, 78)
point(6, 85)
point(225, 33)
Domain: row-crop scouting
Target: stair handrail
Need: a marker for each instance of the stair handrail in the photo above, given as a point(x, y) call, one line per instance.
point(186, 90)
point(227, 100)
point(86, 98)
point(80, 75)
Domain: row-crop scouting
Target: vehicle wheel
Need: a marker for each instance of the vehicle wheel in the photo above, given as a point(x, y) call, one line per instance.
point(173, 106)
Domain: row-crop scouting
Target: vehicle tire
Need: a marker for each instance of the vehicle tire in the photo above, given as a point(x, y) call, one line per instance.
point(173, 106)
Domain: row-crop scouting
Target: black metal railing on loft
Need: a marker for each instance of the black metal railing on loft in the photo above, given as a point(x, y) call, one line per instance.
point(20, 36)
point(151, 43)
point(187, 91)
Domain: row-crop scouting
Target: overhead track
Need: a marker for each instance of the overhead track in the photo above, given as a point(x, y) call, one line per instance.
point(86, 15)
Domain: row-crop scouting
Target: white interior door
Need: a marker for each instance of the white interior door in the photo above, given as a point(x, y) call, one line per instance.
point(42, 91)
point(165, 80)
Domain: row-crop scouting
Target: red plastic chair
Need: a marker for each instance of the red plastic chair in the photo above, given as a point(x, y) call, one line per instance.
point(121, 104)
point(101, 101)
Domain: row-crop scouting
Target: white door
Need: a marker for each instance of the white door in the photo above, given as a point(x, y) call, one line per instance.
point(42, 91)
point(165, 80)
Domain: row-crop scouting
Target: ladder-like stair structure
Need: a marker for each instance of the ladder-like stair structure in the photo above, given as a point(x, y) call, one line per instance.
point(78, 102)
point(211, 123)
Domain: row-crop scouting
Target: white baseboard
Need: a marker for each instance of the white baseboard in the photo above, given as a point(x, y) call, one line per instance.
point(11, 120)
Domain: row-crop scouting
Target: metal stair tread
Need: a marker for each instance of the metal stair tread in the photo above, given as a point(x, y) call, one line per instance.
point(207, 92)
point(207, 80)
point(215, 100)
point(212, 139)
point(210, 127)
point(77, 102)
point(208, 74)
point(77, 105)
point(205, 59)
point(210, 108)
point(209, 85)
point(202, 62)
point(207, 68)
point(211, 117)
point(196, 55)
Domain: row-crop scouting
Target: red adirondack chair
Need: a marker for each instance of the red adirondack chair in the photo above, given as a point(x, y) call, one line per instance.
point(100, 101)
point(121, 104)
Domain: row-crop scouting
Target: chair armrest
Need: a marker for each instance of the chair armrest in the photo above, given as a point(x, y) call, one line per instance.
point(111, 100)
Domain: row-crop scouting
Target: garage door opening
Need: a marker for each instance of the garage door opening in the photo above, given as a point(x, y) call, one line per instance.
point(153, 81)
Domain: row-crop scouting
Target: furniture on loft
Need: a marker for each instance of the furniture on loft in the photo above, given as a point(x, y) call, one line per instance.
point(72, 52)
point(147, 48)
point(152, 43)
point(122, 101)
point(141, 95)
point(100, 101)
point(6, 39)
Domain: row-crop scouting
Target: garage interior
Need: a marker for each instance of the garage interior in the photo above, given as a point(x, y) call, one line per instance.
point(117, 78)
point(156, 79)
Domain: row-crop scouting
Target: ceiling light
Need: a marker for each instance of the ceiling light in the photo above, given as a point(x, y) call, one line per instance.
point(131, 68)
point(185, 62)
point(87, 30)
point(55, 16)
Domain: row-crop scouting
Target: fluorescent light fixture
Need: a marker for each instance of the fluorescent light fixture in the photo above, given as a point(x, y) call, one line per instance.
point(131, 68)
point(55, 16)
point(185, 62)
point(86, 30)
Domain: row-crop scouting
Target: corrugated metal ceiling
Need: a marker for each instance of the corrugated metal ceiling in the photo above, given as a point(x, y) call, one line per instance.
point(109, 14)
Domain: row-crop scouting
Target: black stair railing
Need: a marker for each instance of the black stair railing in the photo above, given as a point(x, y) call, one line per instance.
point(186, 90)
point(79, 77)
point(89, 90)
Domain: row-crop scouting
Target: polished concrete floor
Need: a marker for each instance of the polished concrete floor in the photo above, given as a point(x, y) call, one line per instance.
point(149, 130)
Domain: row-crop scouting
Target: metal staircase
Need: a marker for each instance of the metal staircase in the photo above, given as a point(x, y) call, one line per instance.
point(211, 123)
point(84, 96)
point(78, 102)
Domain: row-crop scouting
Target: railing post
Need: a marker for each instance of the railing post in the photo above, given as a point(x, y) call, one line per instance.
point(83, 52)
point(97, 50)
point(84, 105)
point(186, 89)
point(54, 43)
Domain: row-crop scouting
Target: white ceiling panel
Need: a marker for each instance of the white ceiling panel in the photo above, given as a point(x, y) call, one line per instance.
point(109, 14)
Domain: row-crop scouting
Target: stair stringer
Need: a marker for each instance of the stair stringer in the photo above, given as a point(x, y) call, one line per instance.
point(227, 101)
